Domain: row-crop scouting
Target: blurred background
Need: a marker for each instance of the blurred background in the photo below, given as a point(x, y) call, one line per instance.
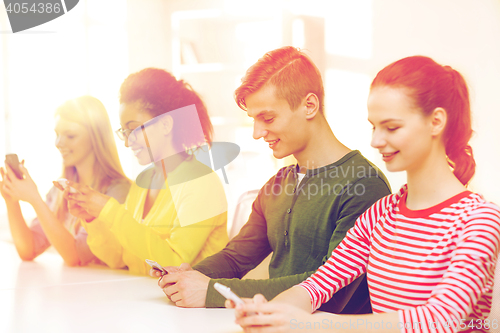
point(210, 44)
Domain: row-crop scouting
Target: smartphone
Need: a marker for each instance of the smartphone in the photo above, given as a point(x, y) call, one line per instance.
point(12, 161)
point(63, 181)
point(156, 266)
point(227, 293)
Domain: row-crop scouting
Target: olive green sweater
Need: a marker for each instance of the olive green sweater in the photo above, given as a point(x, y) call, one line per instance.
point(300, 225)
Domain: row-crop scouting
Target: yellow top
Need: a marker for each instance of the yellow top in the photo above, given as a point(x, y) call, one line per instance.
point(187, 222)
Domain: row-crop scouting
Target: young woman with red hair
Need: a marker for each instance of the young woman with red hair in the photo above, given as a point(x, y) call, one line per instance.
point(430, 249)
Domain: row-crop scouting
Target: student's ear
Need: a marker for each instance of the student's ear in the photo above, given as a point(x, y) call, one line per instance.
point(167, 124)
point(311, 105)
point(438, 121)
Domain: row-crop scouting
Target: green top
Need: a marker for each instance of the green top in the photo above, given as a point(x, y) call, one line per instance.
point(301, 226)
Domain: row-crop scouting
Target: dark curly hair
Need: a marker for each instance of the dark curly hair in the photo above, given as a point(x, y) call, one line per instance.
point(159, 92)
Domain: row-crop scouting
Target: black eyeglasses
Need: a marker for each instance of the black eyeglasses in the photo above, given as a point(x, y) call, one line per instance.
point(125, 134)
point(131, 134)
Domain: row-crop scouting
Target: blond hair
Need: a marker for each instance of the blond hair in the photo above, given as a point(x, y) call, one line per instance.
point(89, 112)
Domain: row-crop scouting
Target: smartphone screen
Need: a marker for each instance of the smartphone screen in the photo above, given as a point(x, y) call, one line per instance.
point(13, 162)
point(227, 293)
point(156, 266)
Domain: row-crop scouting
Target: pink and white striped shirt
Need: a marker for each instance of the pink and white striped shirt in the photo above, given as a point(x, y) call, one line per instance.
point(434, 266)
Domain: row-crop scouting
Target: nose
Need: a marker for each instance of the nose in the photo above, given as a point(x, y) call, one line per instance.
point(59, 142)
point(378, 140)
point(126, 141)
point(259, 131)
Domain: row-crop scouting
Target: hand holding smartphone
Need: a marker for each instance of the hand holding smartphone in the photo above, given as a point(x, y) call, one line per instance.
point(13, 161)
point(228, 294)
point(156, 266)
point(63, 183)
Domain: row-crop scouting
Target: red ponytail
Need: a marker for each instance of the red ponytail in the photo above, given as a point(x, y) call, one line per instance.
point(431, 86)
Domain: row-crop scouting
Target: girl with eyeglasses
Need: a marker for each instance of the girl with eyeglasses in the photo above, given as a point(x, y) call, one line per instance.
point(85, 141)
point(430, 249)
point(176, 211)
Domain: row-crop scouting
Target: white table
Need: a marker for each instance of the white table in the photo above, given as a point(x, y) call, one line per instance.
point(45, 295)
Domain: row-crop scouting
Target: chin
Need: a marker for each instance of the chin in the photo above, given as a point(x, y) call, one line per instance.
point(394, 168)
point(68, 162)
point(143, 160)
point(276, 155)
point(279, 156)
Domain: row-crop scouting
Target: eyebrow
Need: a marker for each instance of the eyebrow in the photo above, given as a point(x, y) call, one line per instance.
point(386, 121)
point(262, 113)
point(131, 121)
point(66, 131)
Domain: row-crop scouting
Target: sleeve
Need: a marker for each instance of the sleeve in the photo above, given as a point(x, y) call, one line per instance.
point(352, 206)
point(119, 190)
point(101, 242)
point(244, 252)
point(144, 242)
point(347, 262)
point(469, 277)
point(40, 240)
point(356, 199)
point(184, 243)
